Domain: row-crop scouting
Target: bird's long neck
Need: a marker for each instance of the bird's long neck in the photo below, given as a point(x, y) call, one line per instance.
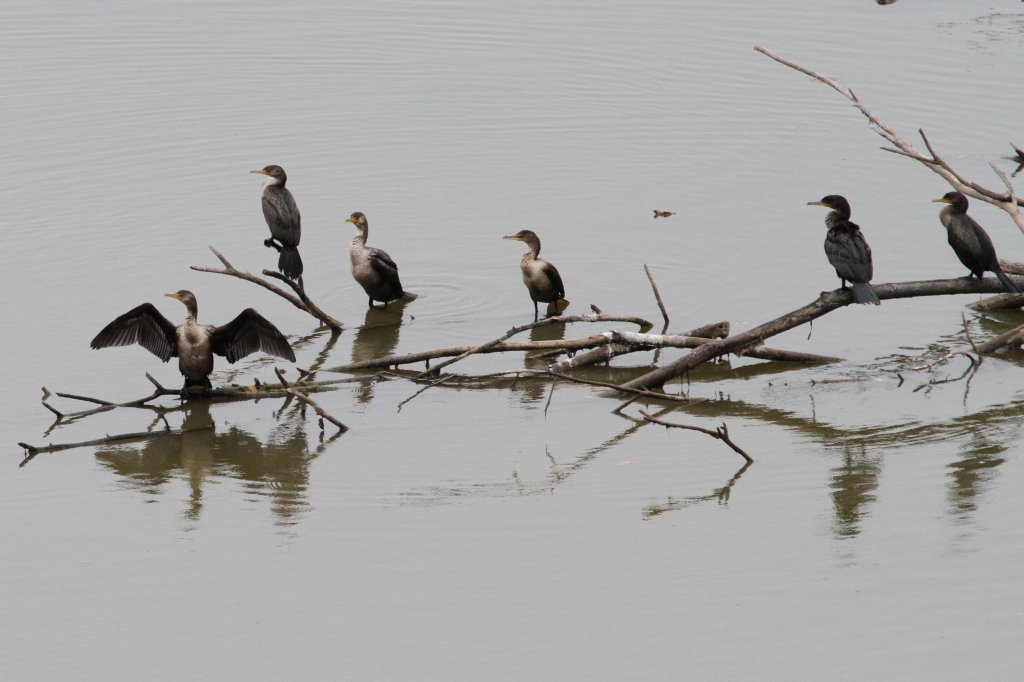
point(193, 311)
point(273, 182)
point(361, 235)
point(534, 244)
point(835, 219)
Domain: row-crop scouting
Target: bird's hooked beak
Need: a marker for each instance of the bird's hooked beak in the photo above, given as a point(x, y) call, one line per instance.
point(354, 221)
point(514, 237)
point(818, 203)
point(259, 171)
point(175, 296)
point(943, 200)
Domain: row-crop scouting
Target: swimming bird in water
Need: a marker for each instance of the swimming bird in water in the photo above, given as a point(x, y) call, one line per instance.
point(846, 249)
point(376, 273)
point(540, 277)
point(283, 219)
point(192, 343)
point(969, 240)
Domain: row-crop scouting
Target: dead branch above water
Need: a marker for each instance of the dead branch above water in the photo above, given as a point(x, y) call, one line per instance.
point(299, 299)
point(825, 303)
point(1007, 201)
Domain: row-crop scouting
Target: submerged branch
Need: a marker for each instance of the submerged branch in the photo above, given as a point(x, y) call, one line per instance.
point(721, 433)
point(33, 450)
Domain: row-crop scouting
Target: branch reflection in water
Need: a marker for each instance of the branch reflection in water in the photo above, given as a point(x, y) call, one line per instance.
point(277, 469)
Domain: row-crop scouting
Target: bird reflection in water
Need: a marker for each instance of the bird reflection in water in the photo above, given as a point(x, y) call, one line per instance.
point(853, 484)
point(531, 390)
point(277, 469)
point(377, 337)
point(972, 473)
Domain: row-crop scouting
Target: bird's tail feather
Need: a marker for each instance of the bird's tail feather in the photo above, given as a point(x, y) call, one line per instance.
point(1007, 282)
point(289, 262)
point(864, 293)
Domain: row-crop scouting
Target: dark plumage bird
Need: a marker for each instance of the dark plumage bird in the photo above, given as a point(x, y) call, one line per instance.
point(376, 273)
point(846, 249)
point(283, 219)
point(192, 343)
point(540, 277)
point(969, 240)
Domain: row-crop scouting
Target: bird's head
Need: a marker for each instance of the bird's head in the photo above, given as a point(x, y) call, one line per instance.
point(186, 297)
point(358, 219)
point(835, 202)
point(955, 199)
point(275, 172)
point(523, 236)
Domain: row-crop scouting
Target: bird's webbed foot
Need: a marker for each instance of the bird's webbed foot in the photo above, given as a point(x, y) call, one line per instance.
point(196, 390)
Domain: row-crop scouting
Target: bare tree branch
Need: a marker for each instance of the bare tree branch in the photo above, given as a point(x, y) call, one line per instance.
point(1007, 202)
point(721, 433)
point(825, 303)
point(33, 450)
point(657, 296)
point(299, 299)
point(319, 410)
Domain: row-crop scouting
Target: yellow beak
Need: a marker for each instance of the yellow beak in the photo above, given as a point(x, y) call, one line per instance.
point(818, 203)
point(351, 220)
point(174, 296)
point(259, 171)
point(941, 201)
point(513, 237)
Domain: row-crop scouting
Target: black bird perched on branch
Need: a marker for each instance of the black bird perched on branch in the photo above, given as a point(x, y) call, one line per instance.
point(540, 277)
point(283, 219)
point(374, 269)
point(969, 240)
point(846, 249)
point(192, 343)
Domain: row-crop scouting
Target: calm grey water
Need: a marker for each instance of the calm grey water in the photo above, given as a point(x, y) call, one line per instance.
point(476, 534)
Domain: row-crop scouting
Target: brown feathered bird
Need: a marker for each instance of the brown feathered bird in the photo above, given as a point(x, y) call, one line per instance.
point(192, 343)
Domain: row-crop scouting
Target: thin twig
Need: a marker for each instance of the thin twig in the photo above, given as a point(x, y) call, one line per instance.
point(657, 295)
point(319, 410)
point(430, 385)
point(721, 433)
point(33, 450)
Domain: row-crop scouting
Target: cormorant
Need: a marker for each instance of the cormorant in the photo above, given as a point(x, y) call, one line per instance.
point(372, 268)
point(192, 343)
point(846, 249)
point(970, 242)
point(540, 277)
point(283, 219)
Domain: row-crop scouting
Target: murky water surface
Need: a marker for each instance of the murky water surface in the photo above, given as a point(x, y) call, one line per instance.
point(505, 532)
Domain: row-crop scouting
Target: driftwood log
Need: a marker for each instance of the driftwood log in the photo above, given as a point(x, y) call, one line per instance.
point(825, 303)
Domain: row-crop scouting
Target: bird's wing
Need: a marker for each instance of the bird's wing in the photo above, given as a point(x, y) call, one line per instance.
point(988, 251)
point(551, 272)
point(850, 254)
point(282, 214)
point(248, 333)
point(144, 325)
point(383, 264)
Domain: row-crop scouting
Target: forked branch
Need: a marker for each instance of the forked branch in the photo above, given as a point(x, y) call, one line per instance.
point(1007, 201)
point(299, 299)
